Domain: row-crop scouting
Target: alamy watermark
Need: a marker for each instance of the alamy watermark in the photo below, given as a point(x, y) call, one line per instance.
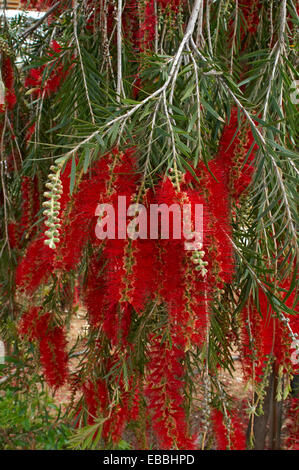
point(176, 222)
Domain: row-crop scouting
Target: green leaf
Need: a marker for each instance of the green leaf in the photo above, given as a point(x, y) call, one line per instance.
point(73, 175)
point(211, 110)
point(86, 159)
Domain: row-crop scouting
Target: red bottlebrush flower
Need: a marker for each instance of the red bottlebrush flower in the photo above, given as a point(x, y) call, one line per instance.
point(53, 356)
point(146, 31)
point(172, 250)
point(36, 265)
point(42, 83)
point(233, 155)
point(164, 390)
point(34, 80)
point(30, 206)
point(94, 290)
point(13, 235)
point(7, 72)
point(216, 215)
point(118, 252)
point(116, 415)
point(36, 325)
point(96, 397)
point(220, 431)
point(56, 47)
point(220, 231)
point(238, 434)
point(10, 99)
point(131, 22)
point(8, 80)
point(235, 439)
point(145, 266)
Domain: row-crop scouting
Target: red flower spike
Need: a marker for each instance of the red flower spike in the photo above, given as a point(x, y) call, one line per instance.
point(220, 430)
point(36, 325)
point(146, 33)
point(164, 390)
point(232, 154)
point(53, 357)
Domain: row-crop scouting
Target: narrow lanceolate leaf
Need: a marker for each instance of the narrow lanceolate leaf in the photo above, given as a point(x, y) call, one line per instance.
point(73, 175)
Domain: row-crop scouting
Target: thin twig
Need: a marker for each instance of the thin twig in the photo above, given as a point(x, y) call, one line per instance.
point(119, 86)
point(37, 24)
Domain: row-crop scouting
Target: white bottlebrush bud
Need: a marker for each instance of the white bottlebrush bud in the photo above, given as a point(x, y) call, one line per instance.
point(52, 244)
point(49, 223)
point(47, 204)
point(48, 233)
point(47, 194)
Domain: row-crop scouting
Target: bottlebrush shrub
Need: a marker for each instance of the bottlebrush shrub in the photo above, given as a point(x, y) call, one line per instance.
point(126, 277)
point(30, 206)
